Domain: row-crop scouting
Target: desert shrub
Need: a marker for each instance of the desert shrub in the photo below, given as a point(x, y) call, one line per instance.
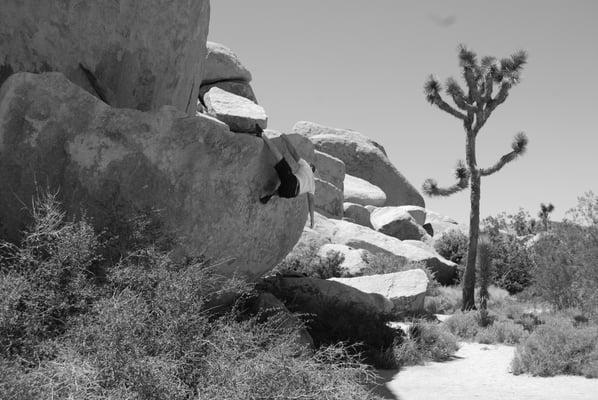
point(465, 325)
point(308, 262)
point(447, 300)
point(558, 347)
point(501, 331)
point(46, 280)
point(511, 264)
point(248, 362)
point(426, 341)
point(452, 245)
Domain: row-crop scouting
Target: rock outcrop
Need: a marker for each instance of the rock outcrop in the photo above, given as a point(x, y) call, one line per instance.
point(360, 237)
point(360, 191)
point(240, 114)
point(330, 169)
point(364, 159)
point(239, 88)
point(398, 223)
point(222, 64)
point(441, 224)
point(318, 296)
point(406, 289)
point(139, 54)
point(200, 181)
point(418, 213)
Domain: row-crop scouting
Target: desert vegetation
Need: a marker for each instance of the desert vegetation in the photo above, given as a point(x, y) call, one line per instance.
point(74, 326)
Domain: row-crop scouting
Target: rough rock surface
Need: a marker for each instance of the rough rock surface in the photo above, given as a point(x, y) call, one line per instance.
point(240, 114)
point(315, 296)
point(330, 169)
point(357, 214)
point(240, 88)
point(398, 223)
point(353, 263)
point(360, 191)
point(328, 199)
point(364, 159)
point(200, 181)
point(418, 213)
point(360, 237)
point(143, 53)
point(406, 289)
point(223, 65)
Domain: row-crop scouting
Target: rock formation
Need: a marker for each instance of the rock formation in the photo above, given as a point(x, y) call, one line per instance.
point(240, 114)
point(406, 289)
point(364, 159)
point(201, 181)
point(139, 54)
point(357, 214)
point(398, 223)
point(360, 191)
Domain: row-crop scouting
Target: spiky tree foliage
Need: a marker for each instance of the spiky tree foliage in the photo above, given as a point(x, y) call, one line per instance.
point(544, 214)
point(487, 85)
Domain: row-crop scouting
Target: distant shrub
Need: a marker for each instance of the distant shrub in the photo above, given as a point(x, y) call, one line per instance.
point(557, 347)
point(308, 262)
point(426, 341)
point(511, 264)
point(501, 331)
point(447, 300)
point(465, 325)
point(452, 245)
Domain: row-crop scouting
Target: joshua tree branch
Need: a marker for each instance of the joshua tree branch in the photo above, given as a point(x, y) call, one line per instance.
point(500, 98)
point(444, 106)
point(430, 187)
point(519, 146)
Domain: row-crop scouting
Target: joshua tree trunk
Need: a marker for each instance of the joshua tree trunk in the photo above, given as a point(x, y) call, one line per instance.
point(474, 232)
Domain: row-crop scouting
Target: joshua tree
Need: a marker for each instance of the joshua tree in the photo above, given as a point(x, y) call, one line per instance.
point(544, 214)
point(488, 84)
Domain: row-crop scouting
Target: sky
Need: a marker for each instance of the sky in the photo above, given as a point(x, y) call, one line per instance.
point(362, 65)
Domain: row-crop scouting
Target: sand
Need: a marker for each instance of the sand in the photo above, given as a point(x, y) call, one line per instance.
point(481, 371)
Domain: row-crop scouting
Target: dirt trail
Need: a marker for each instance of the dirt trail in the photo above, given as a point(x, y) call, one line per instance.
point(482, 372)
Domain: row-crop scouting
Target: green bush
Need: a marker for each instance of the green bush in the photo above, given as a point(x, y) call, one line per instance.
point(426, 341)
point(558, 347)
point(501, 331)
point(469, 326)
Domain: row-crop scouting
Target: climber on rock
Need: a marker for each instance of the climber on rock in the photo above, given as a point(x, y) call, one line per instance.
point(292, 184)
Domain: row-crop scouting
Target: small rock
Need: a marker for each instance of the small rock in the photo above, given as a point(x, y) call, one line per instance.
point(240, 88)
point(357, 214)
point(398, 223)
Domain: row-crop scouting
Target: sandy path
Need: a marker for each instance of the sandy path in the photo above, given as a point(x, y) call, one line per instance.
point(482, 372)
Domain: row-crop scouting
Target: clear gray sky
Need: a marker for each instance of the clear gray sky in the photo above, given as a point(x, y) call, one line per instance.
point(362, 64)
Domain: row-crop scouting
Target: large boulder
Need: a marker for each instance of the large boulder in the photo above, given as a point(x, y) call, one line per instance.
point(240, 114)
point(200, 181)
point(223, 65)
point(357, 214)
point(360, 237)
point(353, 259)
point(364, 159)
point(318, 296)
point(398, 223)
point(240, 88)
point(139, 54)
point(360, 191)
point(330, 169)
point(328, 199)
point(406, 289)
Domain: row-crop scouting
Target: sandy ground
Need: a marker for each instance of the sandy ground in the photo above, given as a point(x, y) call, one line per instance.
point(482, 372)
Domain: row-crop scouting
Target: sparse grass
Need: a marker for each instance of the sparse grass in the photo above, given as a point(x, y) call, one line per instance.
point(468, 326)
point(448, 299)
